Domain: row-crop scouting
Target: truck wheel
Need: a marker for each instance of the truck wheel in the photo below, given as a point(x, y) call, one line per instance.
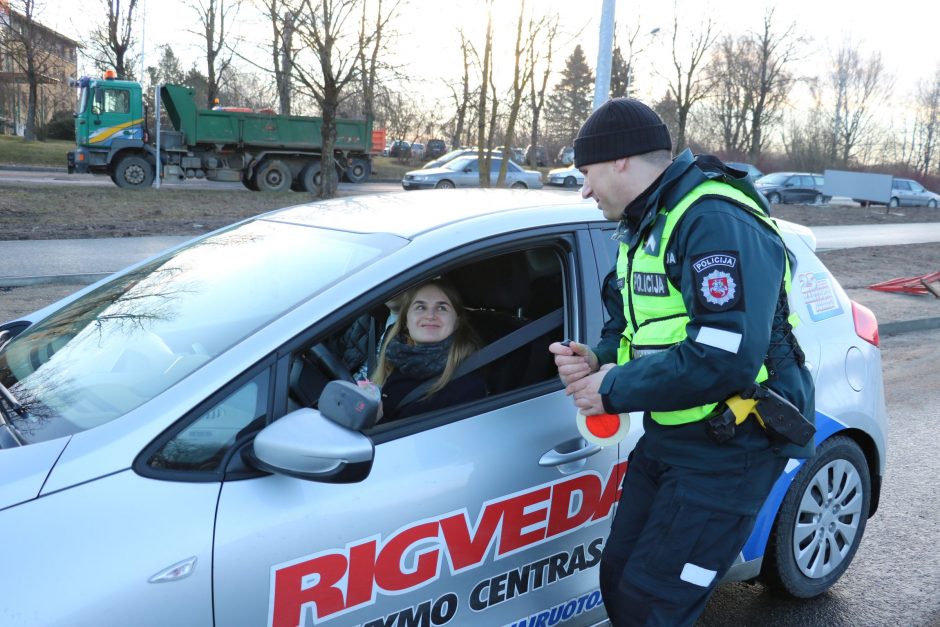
point(249, 182)
point(273, 176)
point(310, 177)
point(821, 521)
point(134, 172)
point(358, 171)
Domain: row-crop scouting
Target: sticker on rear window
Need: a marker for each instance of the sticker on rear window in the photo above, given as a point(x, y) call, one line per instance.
point(819, 295)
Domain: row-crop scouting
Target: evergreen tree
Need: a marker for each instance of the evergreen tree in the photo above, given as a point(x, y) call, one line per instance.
point(621, 75)
point(571, 102)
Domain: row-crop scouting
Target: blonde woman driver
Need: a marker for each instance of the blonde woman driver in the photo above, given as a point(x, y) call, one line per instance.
point(427, 342)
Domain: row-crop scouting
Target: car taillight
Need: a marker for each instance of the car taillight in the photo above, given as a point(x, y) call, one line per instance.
point(866, 325)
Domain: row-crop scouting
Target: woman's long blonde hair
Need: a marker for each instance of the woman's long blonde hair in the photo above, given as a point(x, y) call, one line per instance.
point(465, 341)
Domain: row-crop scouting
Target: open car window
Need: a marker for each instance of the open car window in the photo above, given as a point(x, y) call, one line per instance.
point(502, 295)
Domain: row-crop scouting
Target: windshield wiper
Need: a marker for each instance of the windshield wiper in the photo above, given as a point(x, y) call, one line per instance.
point(10, 400)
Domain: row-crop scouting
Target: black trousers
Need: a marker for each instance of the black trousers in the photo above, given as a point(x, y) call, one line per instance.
point(676, 533)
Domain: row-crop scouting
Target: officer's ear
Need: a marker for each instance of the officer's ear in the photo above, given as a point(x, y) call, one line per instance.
point(622, 164)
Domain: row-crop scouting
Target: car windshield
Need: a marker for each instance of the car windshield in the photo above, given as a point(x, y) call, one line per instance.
point(777, 178)
point(132, 338)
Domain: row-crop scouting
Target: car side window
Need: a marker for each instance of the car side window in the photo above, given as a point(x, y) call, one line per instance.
point(917, 187)
point(513, 300)
point(902, 185)
point(202, 445)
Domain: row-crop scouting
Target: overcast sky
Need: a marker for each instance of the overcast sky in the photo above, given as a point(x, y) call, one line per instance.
point(904, 31)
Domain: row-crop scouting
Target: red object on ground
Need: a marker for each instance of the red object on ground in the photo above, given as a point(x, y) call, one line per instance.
point(910, 285)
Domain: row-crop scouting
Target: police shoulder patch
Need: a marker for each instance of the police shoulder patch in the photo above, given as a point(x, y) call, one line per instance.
point(717, 278)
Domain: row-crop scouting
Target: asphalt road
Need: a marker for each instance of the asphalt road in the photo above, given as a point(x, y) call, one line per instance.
point(895, 576)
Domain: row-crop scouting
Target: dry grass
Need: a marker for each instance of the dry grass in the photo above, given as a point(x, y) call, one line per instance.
point(46, 212)
point(51, 153)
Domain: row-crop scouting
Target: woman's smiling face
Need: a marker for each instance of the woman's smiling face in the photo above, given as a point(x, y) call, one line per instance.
point(431, 316)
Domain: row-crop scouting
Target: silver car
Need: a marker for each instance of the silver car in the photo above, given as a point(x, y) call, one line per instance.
point(910, 193)
point(181, 443)
point(569, 176)
point(465, 172)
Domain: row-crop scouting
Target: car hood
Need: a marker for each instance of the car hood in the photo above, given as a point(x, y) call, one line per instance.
point(25, 468)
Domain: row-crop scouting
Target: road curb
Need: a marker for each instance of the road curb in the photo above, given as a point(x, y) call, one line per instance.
point(59, 279)
point(908, 326)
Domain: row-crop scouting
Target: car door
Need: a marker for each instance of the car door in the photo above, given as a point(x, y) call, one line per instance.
point(491, 513)
point(469, 175)
point(918, 194)
point(901, 190)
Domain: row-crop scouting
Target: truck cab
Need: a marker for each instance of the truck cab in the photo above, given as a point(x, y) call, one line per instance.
point(109, 120)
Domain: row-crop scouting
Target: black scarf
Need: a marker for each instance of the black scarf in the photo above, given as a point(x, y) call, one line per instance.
point(418, 361)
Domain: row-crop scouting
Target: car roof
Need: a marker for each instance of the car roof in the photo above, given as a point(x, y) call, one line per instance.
point(407, 214)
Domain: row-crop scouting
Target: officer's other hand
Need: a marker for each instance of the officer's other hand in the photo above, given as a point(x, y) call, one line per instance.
point(574, 361)
point(584, 392)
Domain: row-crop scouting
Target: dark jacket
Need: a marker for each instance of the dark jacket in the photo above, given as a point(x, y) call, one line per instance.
point(467, 388)
point(692, 373)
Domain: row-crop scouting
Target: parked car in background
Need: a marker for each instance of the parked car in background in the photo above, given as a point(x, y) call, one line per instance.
point(435, 148)
point(536, 156)
point(566, 177)
point(792, 187)
point(910, 193)
point(400, 149)
point(417, 150)
point(461, 152)
point(465, 172)
point(751, 170)
point(185, 451)
point(565, 156)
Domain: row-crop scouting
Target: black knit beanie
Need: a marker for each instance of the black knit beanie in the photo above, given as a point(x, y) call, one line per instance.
point(620, 127)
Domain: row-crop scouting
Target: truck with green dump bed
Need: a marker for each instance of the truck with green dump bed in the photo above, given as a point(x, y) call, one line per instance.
point(261, 149)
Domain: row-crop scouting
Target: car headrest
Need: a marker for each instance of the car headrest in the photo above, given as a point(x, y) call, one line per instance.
point(496, 283)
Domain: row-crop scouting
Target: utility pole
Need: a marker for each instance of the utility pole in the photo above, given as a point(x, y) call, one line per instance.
point(605, 52)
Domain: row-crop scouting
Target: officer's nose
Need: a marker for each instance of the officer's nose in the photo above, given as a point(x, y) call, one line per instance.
point(586, 191)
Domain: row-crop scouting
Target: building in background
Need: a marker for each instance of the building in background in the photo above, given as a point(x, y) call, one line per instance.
point(55, 60)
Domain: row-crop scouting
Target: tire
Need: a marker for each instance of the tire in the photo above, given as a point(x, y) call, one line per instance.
point(774, 198)
point(445, 184)
point(570, 181)
point(932, 203)
point(273, 176)
point(519, 185)
point(818, 199)
point(358, 171)
point(310, 177)
point(894, 202)
point(249, 182)
point(821, 521)
point(133, 172)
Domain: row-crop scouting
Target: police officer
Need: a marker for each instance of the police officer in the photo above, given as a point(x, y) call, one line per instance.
point(698, 313)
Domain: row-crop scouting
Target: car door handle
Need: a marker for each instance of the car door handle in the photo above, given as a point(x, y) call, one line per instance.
point(567, 452)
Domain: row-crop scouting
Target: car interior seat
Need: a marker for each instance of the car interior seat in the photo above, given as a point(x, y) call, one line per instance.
point(504, 293)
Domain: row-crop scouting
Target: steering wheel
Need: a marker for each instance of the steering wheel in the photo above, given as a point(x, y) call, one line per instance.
point(333, 366)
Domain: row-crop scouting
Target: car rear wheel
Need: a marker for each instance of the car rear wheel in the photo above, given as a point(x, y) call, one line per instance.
point(519, 185)
point(818, 199)
point(894, 202)
point(570, 181)
point(821, 521)
point(774, 198)
point(445, 184)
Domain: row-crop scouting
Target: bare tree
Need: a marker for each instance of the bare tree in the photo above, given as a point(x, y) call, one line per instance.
point(860, 86)
point(689, 85)
point(329, 29)
point(544, 41)
point(27, 45)
point(372, 37)
point(751, 84)
point(485, 80)
point(462, 99)
point(281, 16)
point(522, 73)
point(928, 122)
point(112, 41)
point(214, 17)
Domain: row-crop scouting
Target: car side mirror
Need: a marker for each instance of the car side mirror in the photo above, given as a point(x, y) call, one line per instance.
point(322, 444)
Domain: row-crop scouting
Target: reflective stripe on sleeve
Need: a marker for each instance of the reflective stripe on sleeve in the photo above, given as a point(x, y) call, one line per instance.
point(718, 338)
